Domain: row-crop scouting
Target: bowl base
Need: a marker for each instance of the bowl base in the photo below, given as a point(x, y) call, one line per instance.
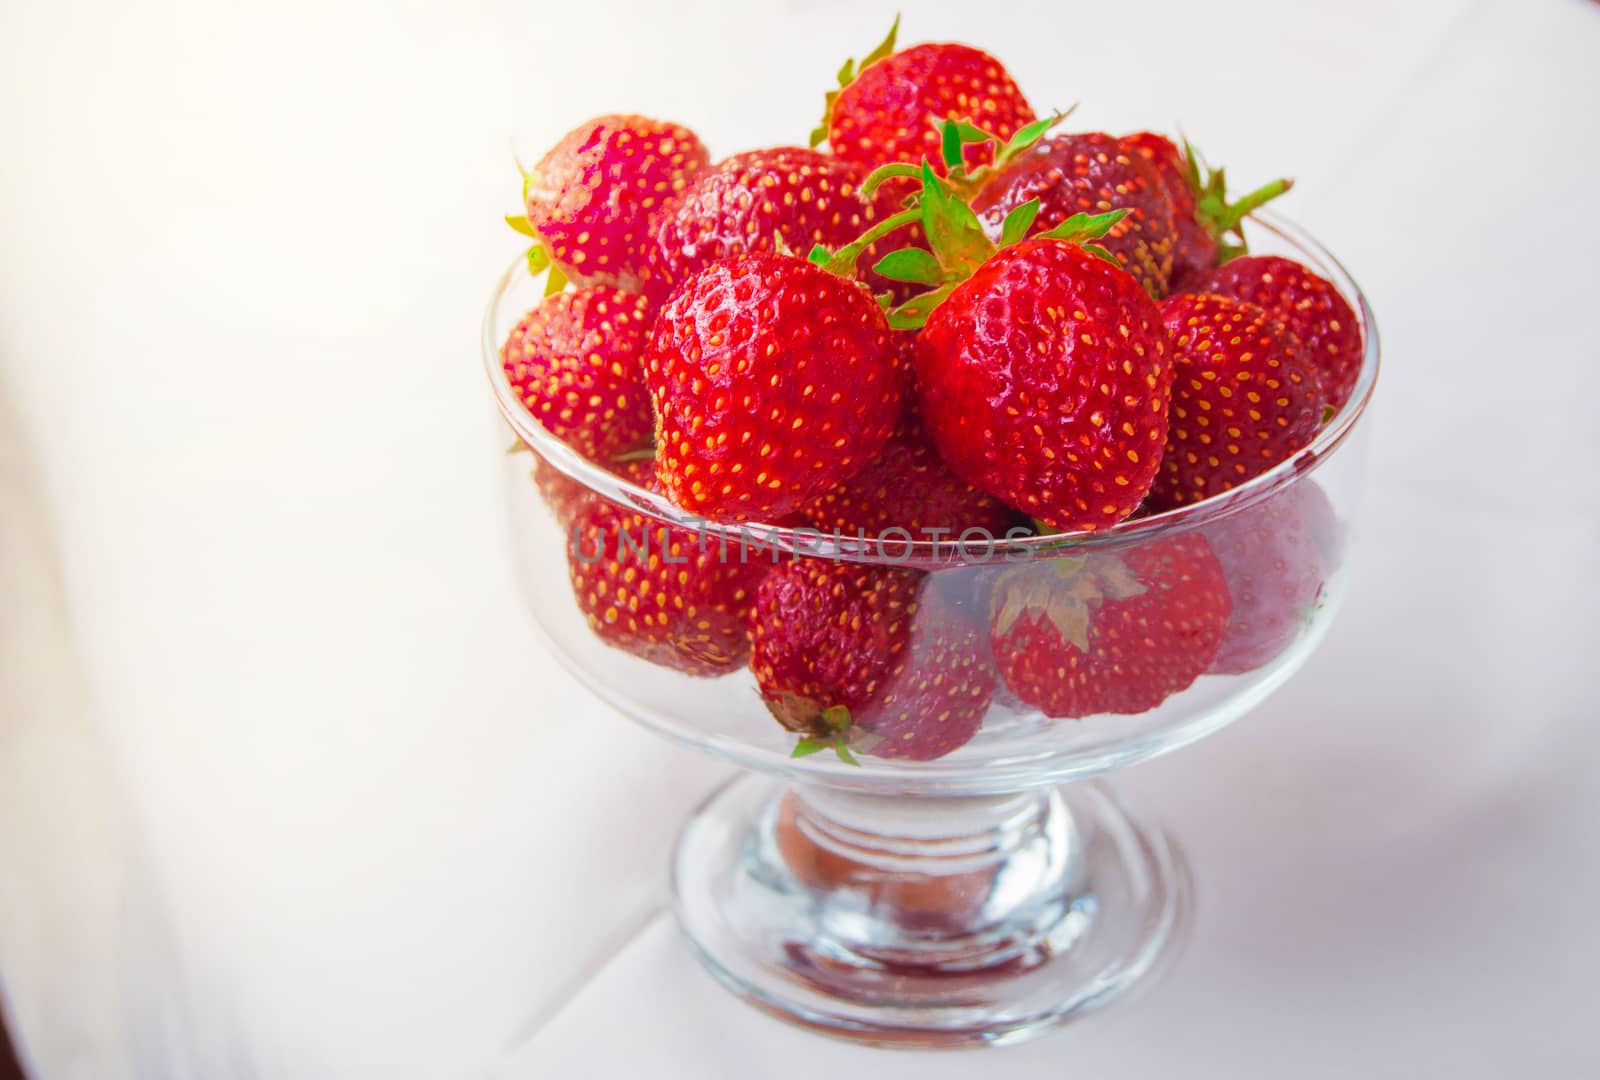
point(927, 922)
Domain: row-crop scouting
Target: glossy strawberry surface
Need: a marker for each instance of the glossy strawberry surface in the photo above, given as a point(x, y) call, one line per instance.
point(889, 112)
point(1244, 397)
point(1044, 380)
point(592, 199)
point(773, 381)
point(575, 363)
point(1091, 173)
point(1307, 303)
point(1193, 248)
point(752, 202)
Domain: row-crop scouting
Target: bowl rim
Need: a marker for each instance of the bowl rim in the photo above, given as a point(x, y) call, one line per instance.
point(808, 542)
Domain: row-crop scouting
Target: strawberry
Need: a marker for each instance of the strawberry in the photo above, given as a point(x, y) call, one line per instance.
point(1244, 397)
point(1275, 556)
point(887, 109)
point(1042, 370)
point(1110, 631)
point(753, 202)
point(934, 700)
point(1308, 304)
point(590, 200)
point(575, 362)
point(1203, 218)
point(773, 381)
point(1091, 173)
point(867, 658)
point(907, 487)
point(665, 594)
point(825, 635)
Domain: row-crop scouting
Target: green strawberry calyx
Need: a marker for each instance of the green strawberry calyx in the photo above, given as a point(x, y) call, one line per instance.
point(847, 75)
point(957, 244)
point(538, 257)
point(956, 135)
point(836, 723)
point(1219, 217)
point(1066, 594)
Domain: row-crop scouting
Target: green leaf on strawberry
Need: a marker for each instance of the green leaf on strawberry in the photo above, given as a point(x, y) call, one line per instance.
point(910, 264)
point(1018, 222)
point(837, 720)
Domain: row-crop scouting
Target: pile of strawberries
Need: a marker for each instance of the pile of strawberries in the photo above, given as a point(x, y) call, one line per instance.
point(951, 321)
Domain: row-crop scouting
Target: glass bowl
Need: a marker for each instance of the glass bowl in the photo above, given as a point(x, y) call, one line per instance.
point(968, 887)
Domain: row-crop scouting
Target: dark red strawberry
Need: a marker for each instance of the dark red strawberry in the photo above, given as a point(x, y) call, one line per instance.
point(751, 202)
point(825, 635)
point(1308, 304)
point(773, 381)
point(889, 110)
point(667, 595)
point(575, 362)
point(907, 487)
point(1203, 218)
point(1090, 174)
point(1042, 368)
point(1276, 557)
point(1193, 248)
point(867, 658)
point(1244, 397)
point(934, 700)
point(1110, 632)
point(590, 200)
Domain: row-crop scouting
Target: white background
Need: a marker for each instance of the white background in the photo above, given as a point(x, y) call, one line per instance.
point(285, 777)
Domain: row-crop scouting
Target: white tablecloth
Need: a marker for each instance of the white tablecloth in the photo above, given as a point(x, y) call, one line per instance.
point(291, 782)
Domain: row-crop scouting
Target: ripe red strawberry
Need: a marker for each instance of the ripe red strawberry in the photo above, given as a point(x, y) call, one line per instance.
point(825, 635)
point(1110, 632)
point(866, 657)
point(909, 487)
point(1244, 397)
point(1309, 305)
point(575, 362)
point(1045, 381)
point(934, 700)
point(1193, 248)
point(773, 381)
point(748, 203)
point(590, 199)
point(1275, 557)
point(1203, 218)
point(667, 595)
point(888, 110)
point(1090, 174)
point(1042, 370)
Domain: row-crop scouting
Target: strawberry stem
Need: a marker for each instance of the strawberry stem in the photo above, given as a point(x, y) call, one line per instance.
point(1214, 212)
point(843, 261)
point(1228, 217)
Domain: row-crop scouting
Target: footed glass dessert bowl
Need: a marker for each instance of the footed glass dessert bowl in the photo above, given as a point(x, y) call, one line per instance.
point(936, 865)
